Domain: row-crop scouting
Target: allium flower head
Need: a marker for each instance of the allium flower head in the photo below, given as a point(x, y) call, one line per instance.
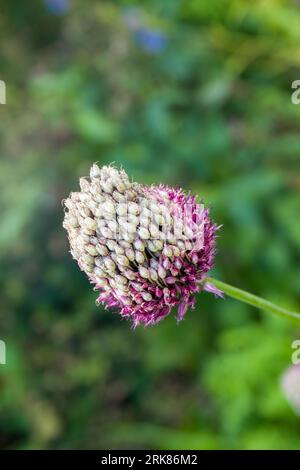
point(146, 249)
point(290, 384)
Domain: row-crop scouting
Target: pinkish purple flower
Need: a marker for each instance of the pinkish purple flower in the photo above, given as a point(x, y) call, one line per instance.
point(146, 249)
point(290, 384)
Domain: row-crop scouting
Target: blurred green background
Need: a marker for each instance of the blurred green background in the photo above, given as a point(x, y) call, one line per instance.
point(185, 92)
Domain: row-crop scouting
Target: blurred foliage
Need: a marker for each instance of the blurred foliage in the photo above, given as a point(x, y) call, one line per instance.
point(185, 92)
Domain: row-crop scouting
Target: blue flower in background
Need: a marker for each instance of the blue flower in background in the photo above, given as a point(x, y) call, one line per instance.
point(153, 41)
point(57, 7)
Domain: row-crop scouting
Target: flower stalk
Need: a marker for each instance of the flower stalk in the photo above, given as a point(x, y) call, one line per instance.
point(253, 300)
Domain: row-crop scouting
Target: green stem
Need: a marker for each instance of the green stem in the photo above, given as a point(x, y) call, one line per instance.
point(253, 300)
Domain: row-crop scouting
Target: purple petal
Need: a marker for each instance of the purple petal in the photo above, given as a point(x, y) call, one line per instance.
point(209, 287)
point(182, 310)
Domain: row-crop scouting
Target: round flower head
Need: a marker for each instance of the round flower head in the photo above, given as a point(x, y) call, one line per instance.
point(290, 384)
point(146, 249)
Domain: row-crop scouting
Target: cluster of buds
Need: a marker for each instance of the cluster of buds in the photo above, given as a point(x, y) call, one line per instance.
point(290, 384)
point(146, 249)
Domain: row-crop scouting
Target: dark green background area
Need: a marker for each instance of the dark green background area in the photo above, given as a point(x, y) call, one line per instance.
point(207, 108)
